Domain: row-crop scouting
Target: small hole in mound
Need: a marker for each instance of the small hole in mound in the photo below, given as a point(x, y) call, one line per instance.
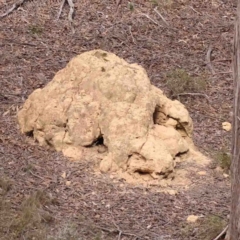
point(100, 141)
point(180, 154)
point(29, 134)
point(97, 142)
point(155, 115)
point(142, 172)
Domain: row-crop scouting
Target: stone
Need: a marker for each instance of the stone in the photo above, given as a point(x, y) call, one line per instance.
point(227, 126)
point(100, 99)
point(226, 175)
point(192, 218)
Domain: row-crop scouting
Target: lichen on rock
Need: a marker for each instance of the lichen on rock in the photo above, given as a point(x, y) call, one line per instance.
point(99, 96)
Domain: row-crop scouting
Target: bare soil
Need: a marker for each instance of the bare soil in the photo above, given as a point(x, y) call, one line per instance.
point(83, 204)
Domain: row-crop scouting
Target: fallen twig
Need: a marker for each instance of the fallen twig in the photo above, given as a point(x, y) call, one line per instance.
point(221, 234)
point(118, 3)
point(15, 5)
point(222, 60)
point(133, 39)
point(71, 11)
point(70, 14)
point(223, 72)
point(117, 231)
point(160, 15)
point(208, 59)
point(192, 94)
point(195, 10)
point(144, 14)
point(36, 176)
point(112, 230)
point(60, 9)
point(209, 116)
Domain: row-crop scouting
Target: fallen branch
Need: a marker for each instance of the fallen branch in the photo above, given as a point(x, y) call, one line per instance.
point(133, 39)
point(60, 9)
point(221, 234)
point(70, 14)
point(192, 94)
point(223, 73)
point(118, 3)
point(150, 19)
point(36, 176)
point(161, 16)
point(222, 60)
point(15, 6)
point(208, 59)
point(71, 11)
point(195, 10)
point(116, 231)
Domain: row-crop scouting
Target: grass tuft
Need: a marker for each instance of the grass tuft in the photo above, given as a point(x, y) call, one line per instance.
point(179, 81)
point(224, 159)
point(29, 221)
point(35, 29)
point(206, 229)
point(5, 185)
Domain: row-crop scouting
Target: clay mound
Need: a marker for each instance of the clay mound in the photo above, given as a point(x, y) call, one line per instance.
point(99, 98)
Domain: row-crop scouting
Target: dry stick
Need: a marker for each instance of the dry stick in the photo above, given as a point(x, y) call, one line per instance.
point(118, 2)
point(113, 230)
point(150, 19)
point(222, 60)
point(60, 9)
point(195, 10)
point(119, 230)
point(223, 73)
point(192, 94)
point(71, 11)
point(208, 59)
point(15, 5)
point(160, 15)
point(70, 14)
point(221, 234)
point(36, 175)
point(133, 39)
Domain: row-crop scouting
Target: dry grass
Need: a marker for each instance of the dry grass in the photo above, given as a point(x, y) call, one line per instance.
point(179, 81)
point(66, 232)
point(35, 29)
point(5, 185)
point(206, 229)
point(223, 159)
point(70, 231)
point(27, 222)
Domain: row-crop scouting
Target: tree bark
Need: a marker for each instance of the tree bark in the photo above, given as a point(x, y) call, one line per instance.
point(234, 225)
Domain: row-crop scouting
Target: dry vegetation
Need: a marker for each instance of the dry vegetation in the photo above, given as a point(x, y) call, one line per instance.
point(206, 229)
point(174, 47)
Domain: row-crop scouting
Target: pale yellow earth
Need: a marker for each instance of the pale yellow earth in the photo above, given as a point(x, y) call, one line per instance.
point(101, 107)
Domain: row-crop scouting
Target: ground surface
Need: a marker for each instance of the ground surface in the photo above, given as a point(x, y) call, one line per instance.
point(36, 199)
